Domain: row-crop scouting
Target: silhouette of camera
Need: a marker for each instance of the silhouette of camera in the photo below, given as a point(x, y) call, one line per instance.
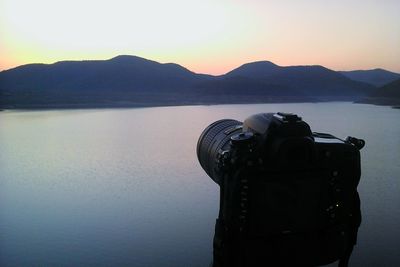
point(288, 196)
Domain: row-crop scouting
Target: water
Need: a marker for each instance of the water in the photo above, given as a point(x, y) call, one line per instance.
point(123, 187)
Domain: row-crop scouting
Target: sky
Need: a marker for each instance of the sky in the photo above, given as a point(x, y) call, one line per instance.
point(205, 36)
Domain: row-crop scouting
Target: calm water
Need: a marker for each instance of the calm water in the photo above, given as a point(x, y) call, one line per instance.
point(123, 187)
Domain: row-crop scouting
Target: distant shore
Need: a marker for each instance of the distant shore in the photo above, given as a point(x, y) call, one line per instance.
point(395, 103)
point(129, 104)
point(381, 101)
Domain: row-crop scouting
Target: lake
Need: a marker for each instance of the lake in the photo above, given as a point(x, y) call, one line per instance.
point(123, 187)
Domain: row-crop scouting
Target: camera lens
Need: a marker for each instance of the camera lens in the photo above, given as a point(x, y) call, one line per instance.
point(215, 137)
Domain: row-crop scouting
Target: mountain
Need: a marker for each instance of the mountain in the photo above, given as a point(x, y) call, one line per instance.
point(388, 94)
point(119, 73)
point(258, 69)
point(96, 83)
point(389, 90)
point(315, 81)
point(377, 77)
point(135, 81)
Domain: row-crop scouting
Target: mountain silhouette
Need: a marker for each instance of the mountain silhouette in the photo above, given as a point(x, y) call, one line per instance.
point(134, 81)
point(377, 77)
point(388, 94)
point(119, 73)
point(391, 89)
point(306, 80)
point(258, 69)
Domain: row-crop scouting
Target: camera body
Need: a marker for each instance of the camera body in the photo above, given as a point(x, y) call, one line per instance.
point(288, 196)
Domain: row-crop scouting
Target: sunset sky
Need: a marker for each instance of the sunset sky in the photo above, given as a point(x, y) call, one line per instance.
point(206, 36)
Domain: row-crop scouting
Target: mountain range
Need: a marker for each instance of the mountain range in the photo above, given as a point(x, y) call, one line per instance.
point(135, 81)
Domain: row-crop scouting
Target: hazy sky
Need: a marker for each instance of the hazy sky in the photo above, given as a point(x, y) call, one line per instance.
point(207, 36)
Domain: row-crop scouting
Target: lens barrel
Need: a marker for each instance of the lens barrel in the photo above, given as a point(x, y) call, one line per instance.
point(215, 137)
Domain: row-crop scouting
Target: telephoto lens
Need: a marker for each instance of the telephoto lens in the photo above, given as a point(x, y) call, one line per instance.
point(214, 138)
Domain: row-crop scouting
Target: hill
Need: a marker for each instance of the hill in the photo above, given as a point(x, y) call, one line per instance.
point(135, 81)
point(119, 73)
point(388, 94)
point(95, 83)
point(258, 69)
point(312, 81)
point(389, 90)
point(377, 77)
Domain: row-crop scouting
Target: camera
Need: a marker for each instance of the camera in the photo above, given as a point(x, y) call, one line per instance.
point(288, 196)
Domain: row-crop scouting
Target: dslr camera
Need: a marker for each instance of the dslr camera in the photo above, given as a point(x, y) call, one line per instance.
point(288, 196)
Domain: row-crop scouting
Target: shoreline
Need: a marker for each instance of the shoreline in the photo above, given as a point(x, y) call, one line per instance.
point(127, 105)
point(381, 101)
point(148, 105)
